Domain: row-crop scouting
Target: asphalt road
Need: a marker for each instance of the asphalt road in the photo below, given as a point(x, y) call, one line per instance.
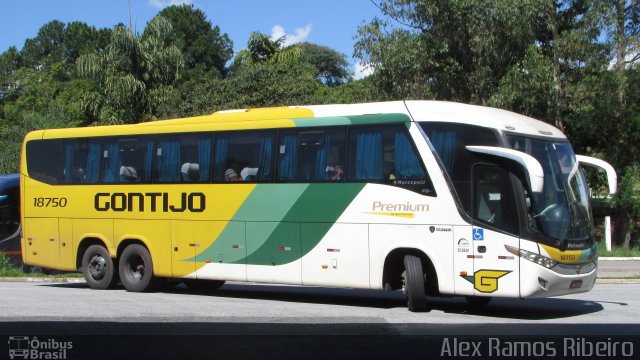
point(274, 321)
point(68, 308)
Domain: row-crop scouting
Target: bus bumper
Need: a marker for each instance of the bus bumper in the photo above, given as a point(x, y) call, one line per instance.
point(538, 281)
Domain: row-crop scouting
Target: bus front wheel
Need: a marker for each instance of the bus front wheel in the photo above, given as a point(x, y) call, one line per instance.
point(136, 269)
point(98, 268)
point(414, 284)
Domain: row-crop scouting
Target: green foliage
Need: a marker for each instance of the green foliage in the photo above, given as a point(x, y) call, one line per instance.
point(455, 50)
point(261, 49)
point(618, 251)
point(628, 196)
point(532, 75)
point(202, 45)
point(573, 63)
point(332, 66)
point(11, 136)
point(133, 76)
point(8, 268)
point(258, 85)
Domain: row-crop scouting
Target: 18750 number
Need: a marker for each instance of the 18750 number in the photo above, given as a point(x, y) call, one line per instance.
point(49, 202)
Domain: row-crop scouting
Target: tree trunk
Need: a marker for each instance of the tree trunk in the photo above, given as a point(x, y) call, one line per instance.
point(621, 53)
point(622, 228)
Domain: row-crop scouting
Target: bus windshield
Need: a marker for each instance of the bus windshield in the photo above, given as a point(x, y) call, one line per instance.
point(562, 210)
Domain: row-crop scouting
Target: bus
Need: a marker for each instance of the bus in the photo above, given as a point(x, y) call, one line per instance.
point(431, 198)
point(10, 217)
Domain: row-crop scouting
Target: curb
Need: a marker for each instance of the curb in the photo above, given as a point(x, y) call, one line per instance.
point(619, 259)
point(41, 280)
point(617, 281)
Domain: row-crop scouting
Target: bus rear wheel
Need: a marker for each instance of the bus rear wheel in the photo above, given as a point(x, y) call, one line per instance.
point(413, 284)
point(136, 269)
point(98, 268)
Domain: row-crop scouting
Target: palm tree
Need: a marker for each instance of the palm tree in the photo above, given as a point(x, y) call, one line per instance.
point(261, 49)
point(133, 76)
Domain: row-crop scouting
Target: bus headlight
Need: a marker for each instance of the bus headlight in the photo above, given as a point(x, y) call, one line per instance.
point(533, 257)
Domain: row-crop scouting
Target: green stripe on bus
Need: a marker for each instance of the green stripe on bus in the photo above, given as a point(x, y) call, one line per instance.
point(287, 221)
point(352, 120)
point(308, 221)
point(267, 203)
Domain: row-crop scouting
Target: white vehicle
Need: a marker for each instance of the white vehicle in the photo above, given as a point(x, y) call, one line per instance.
point(434, 198)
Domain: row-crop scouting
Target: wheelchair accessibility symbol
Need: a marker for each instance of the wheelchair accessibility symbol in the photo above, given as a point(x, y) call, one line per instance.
point(478, 234)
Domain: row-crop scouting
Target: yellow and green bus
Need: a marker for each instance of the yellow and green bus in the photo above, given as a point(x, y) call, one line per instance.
point(434, 198)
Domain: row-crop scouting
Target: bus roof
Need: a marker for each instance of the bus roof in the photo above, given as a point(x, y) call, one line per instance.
point(320, 115)
point(445, 111)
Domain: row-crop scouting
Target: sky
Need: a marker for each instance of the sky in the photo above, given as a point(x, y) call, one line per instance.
point(332, 23)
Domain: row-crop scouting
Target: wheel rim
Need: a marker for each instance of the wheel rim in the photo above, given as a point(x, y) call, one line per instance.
point(136, 268)
point(97, 267)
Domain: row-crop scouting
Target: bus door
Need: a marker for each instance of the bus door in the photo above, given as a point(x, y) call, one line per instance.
point(463, 254)
point(495, 270)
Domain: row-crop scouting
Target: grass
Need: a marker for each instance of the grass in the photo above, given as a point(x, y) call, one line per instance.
point(618, 251)
point(8, 269)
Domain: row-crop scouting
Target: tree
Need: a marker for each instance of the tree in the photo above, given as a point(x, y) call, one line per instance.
point(257, 85)
point(134, 76)
point(203, 46)
point(11, 136)
point(46, 47)
point(456, 50)
point(332, 66)
point(80, 38)
point(261, 49)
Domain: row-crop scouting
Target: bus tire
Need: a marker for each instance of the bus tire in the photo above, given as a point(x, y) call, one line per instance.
point(202, 285)
point(414, 284)
point(98, 268)
point(136, 269)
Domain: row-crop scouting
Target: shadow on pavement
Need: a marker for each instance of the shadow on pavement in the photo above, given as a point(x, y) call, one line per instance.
point(530, 309)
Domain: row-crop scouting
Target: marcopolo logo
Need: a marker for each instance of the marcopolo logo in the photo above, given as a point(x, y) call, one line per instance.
point(25, 347)
point(152, 202)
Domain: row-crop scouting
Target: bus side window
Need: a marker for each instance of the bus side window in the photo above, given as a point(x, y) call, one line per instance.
point(245, 156)
point(183, 158)
point(127, 160)
point(81, 162)
point(494, 203)
point(44, 160)
point(387, 154)
point(449, 141)
point(312, 155)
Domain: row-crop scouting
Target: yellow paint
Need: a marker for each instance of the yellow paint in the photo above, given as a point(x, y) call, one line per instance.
point(486, 281)
point(80, 220)
point(568, 256)
point(407, 215)
point(189, 238)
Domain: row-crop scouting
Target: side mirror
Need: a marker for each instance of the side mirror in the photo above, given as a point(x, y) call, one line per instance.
point(612, 177)
point(531, 166)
